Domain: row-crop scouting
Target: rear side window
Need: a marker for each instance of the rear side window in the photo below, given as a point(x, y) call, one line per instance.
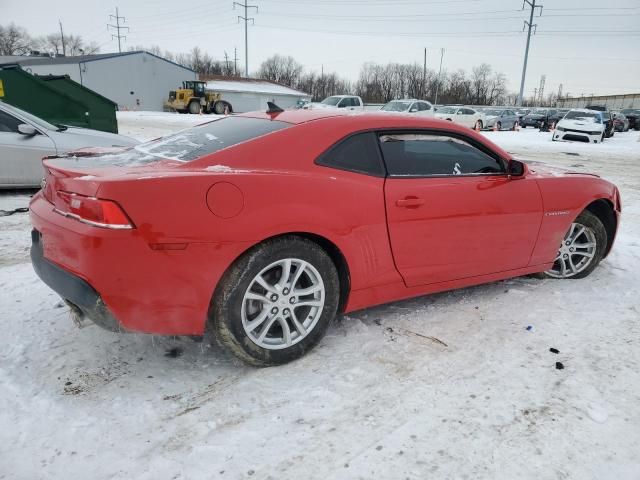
point(358, 153)
point(197, 142)
point(424, 155)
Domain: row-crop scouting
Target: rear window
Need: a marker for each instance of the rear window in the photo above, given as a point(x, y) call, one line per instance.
point(197, 142)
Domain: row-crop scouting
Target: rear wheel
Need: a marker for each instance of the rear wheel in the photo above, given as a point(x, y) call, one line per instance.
point(478, 125)
point(276, 302)
point(499, 125)
point(194, 107)
point(581, 249)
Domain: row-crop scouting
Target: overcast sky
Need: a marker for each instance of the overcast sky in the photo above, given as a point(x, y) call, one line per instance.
point(590, 46)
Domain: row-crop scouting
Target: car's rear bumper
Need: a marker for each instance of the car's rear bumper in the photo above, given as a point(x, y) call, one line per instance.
point(81, 296)
point(119, 281)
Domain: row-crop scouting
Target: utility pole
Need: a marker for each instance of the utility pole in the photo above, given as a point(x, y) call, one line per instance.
point(117, 26)
point(322, 79)
point(64, 49)
point(235, 62)
point(530, 24)
point(246, 34)
point(535, 96)
point(226, 63)
point(543, 79)
point(423, 90)
point(435, 101)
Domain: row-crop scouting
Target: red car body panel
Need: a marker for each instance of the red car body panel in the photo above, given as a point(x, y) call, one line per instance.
point(193, 220)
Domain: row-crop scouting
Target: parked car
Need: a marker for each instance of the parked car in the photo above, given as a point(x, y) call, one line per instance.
point(536, 117)
point(633, 115)
point(580, 125)
point(259, 228)
point(349, 102)
point(467, 116)
point(620, 122)
point(606, 117)
point(521, 113)
point(25, 139)
point(409, 105)
point(502, 119)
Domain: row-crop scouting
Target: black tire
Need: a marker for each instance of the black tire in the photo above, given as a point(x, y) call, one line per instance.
point(219, 107)
point(499, 126)
point(591, 221)
point(194, 108)
point(225, 320)
point(523, 126)
point(478, 125)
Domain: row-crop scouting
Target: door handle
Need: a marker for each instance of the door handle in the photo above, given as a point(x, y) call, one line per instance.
point(410, 202)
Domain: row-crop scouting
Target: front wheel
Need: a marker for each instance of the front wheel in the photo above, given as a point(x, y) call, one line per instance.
point(276, 302)
point(581, 249)
point(478, 125)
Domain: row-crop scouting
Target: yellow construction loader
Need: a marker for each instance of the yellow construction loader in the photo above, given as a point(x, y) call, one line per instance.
point(194, 97)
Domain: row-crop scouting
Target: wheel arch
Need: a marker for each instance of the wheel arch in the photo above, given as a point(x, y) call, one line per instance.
point(335, 254)
point(604, 209)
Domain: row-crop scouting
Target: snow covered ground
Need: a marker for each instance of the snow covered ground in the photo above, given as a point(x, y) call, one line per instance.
point(441, 387)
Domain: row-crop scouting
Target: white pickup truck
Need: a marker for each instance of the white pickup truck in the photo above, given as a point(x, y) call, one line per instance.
point(350, 102)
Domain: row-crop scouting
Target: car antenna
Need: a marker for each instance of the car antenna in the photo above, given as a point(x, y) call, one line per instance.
point(273, 108)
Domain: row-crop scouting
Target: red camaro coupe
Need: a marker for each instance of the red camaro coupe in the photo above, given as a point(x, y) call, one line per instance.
point(260, 228)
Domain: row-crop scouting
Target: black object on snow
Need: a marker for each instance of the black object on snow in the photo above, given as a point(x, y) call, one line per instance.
point(554, 350)
point(559, 366)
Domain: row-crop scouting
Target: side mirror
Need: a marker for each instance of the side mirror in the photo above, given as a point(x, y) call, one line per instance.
point(515, 168)
point(26, 129)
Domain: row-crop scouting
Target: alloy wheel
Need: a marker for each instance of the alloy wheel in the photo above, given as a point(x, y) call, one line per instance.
point(577, 251)
point(283, 304)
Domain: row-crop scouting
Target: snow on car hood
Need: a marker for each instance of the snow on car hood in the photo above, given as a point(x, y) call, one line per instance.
point(546, 170)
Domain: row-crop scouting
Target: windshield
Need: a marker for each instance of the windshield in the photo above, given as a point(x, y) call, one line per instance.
point(196, 142)
point(585, 116)
point(396, 106)
point(539, 111)
point(492, 112)
point(447, 110)
point(331, 100)
point(38, 122)
point(628, 111)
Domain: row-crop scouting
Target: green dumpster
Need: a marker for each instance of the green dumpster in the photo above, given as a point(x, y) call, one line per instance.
point(57, 99)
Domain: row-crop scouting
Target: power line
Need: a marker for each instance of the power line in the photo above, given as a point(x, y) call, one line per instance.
point(246, 34)
point(117, 26)
point(531, 25)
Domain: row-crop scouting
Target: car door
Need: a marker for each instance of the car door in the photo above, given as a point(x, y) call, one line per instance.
point(452, 211)
point(21, 155)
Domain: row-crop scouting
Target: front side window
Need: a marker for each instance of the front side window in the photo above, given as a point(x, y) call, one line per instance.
point(423, 106)
point(396, 106)
point(424, 155)
point(8, 124)
point(357, 153)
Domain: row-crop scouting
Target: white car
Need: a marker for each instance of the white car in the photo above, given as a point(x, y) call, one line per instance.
point(25, 139)
point(409, 105)
point(466, 116)
point(580, 125)
point(350, 102)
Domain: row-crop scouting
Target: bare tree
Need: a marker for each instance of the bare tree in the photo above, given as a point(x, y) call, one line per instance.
point(280, 69)
point(14, 40)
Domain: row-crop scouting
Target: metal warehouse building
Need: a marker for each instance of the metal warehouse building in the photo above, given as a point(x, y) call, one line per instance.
point(134, 80)
point(248, 94)
point(629, 100)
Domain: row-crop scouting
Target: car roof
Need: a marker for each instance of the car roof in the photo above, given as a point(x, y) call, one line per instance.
point(374, 120)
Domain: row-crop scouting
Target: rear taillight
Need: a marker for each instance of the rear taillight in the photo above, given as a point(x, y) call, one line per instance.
point(91, 210)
